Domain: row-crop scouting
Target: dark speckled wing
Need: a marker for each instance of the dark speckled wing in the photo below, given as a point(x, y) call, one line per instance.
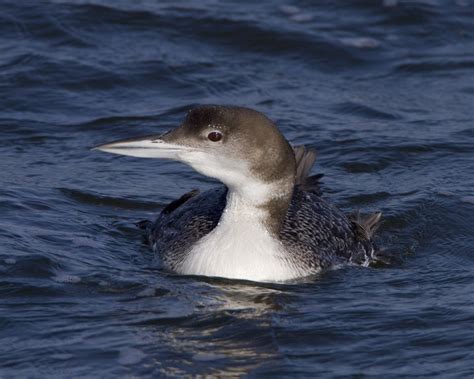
point(316, 234)
point(173, 234)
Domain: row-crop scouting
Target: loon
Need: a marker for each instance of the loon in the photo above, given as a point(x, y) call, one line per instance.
point(268, 221)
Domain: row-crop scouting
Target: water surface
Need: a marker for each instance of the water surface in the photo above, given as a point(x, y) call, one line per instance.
point(384, 90)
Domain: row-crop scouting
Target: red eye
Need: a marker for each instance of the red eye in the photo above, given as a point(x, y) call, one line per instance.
point(215, 136)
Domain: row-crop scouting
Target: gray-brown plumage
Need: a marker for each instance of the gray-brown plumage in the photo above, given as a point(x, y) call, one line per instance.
point(267, 188)
point(316, 234)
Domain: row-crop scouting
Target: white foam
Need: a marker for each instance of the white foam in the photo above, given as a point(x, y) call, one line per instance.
point(302, 17)
point(468, 199)
point(147, 292)
point(65, 278)
point(289, 9)
point(130, 356)
point(361, 42)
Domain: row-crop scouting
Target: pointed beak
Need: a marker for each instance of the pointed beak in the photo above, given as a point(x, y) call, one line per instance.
point(145, 147)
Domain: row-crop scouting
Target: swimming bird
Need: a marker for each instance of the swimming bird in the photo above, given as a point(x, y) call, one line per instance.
point(268, 222)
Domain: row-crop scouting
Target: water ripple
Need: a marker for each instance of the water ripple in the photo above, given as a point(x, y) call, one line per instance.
point(383, 90)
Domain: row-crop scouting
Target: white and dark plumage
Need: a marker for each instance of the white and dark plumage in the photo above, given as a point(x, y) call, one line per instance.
point(268, 222)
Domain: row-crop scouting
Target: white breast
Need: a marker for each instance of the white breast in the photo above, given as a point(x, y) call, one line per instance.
point(240, 247)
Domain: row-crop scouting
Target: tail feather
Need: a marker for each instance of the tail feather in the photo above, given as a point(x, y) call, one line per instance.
point(305, 159)
point(366, 225)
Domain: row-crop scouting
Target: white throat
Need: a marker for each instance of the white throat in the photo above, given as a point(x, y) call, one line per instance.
point(241, 247)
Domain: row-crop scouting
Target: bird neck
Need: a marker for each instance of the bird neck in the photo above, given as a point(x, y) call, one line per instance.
point(257, 203)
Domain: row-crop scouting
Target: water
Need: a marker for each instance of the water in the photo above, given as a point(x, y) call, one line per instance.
point(383, 89)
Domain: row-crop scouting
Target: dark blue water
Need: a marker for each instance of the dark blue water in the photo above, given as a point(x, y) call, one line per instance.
point(383, 89)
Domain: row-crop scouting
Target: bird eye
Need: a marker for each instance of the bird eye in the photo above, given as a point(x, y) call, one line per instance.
point(214, 136)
